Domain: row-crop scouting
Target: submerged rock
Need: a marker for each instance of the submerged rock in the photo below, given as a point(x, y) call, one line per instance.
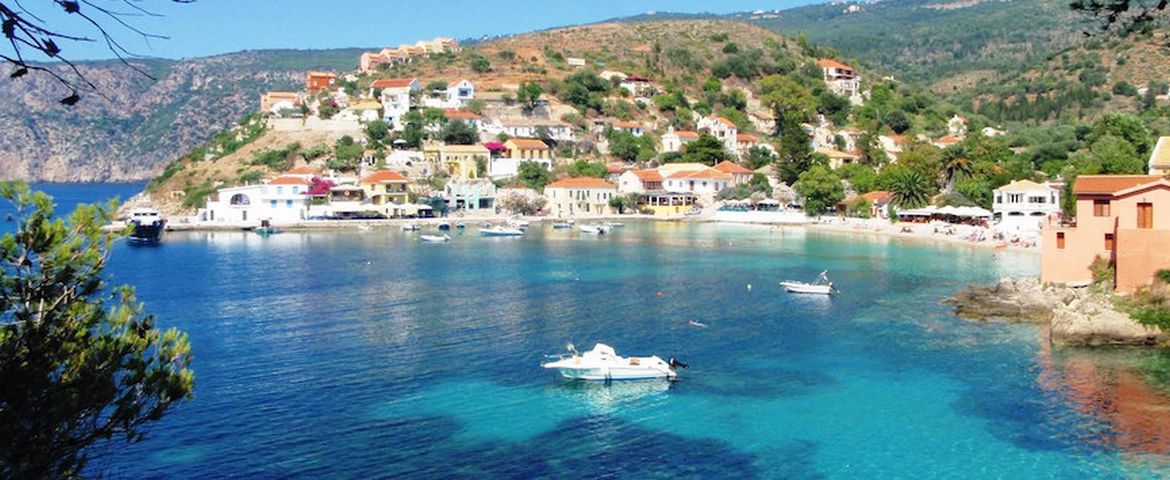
point(1012, 300)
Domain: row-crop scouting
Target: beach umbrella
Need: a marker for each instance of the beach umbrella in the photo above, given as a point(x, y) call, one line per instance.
point(948, 210)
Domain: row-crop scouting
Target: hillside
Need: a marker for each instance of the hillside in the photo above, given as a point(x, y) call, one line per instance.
point(940, 43)
point(1097, 75)
point(144, 123)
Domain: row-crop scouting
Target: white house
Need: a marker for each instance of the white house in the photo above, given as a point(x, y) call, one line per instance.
point(454, 96)
point(640, 181)
point(673, 141)
point(280, 201)
point(638, 86)
point(1023, 205)
point(580, 196)
point(841, 79)
point(395, 98)
point(508, 167)
point(530, 128)
point(704, 183)
point(633, 128)
point(723, 129)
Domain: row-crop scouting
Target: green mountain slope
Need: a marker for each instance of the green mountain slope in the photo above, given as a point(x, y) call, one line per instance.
point(942, 43)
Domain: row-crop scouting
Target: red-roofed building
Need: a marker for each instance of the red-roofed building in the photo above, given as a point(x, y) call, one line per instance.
point(1124, 219)
point(673, 141)
point(739, 175)
point(640, 181)
point(394, 93)
point(579, 196)
point(633, 128)
point(317, 81)
point(841, 79)
point(385, 186)
point(722, 129)
point(470, 118)
point(704, 183)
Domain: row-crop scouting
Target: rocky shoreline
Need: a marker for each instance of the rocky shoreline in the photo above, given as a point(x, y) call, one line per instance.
point(1075, 316)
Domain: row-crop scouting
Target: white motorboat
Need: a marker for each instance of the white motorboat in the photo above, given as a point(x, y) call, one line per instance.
point(435, 238)
point(500, 231)
point(822, 285)
point(148, 225)
point(593, 229)
point(520, 223)
point(603, 364)
point(410, 227)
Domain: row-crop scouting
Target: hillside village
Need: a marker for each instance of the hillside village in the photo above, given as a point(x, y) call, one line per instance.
point(685, 121)
point(485, 141)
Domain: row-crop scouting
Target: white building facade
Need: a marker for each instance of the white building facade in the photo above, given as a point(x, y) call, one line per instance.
point(1024, 205)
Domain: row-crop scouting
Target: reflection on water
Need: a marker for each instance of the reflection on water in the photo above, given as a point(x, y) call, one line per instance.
point(1115, 387)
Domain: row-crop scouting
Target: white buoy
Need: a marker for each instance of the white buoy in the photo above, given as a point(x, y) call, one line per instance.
point(749, 287)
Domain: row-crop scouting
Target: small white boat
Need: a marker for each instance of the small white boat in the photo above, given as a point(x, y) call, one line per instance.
point(562, 226)
point(615, 224)
point(460, 225)
point(364, 228)
point(593, 229)
point(520, 223)
point(822, 285)
point(444, 226)
point(603, 364)
point(435, 238)
point(410, 227)
point(501, 231)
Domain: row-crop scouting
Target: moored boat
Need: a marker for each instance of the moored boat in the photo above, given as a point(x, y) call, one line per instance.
point(500, 231)
point(821, 286)
point(562, 225)
point(444, 226)
point(603, 364)
point(409, 227)
point(594, 229)
point(435, 238)
point(148, 225)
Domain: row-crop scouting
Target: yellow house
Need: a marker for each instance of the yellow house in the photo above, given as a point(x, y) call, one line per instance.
point(385, 187)
point(528, 149)
point(463, 161)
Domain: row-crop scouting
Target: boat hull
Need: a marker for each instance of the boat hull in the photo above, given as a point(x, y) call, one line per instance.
point(793, 287)
point(613, 374)
point(147, 232)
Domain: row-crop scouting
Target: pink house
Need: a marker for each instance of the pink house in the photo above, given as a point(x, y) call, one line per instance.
point(1124, 219)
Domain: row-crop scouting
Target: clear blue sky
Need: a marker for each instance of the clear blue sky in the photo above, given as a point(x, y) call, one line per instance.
point(209, 27)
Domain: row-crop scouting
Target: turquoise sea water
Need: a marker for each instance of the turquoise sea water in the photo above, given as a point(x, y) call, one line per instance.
point(369, 354)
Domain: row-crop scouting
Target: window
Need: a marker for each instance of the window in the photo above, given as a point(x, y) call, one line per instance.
point(1109, 241)
point(1060, 240)
point(288, 203)
point(272, 203)
point(279, 190)
point(1100, 208)
point(1145, 217)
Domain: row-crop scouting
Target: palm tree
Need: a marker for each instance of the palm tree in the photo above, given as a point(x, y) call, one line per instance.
point(911, 189)
point(955, 165)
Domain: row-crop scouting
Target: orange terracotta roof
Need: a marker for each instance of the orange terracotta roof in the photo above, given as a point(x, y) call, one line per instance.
point(392, 83)
point(707, 174)
point(460, 114)
point(303, 170)
point(687, 134)
point(285, 95)
point(746, 138)
point(612, 169)
point(581, 182)
point(528, 143)
point(289, 181)
point(878, 196)
point(648, 175)
point(830, 63)
point(725, 121)
point(384, 176)
point(627, 125)
point(1108, 184)
point(729, 167)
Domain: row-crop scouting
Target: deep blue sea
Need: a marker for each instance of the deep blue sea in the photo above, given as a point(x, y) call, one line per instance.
point(371, 355)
